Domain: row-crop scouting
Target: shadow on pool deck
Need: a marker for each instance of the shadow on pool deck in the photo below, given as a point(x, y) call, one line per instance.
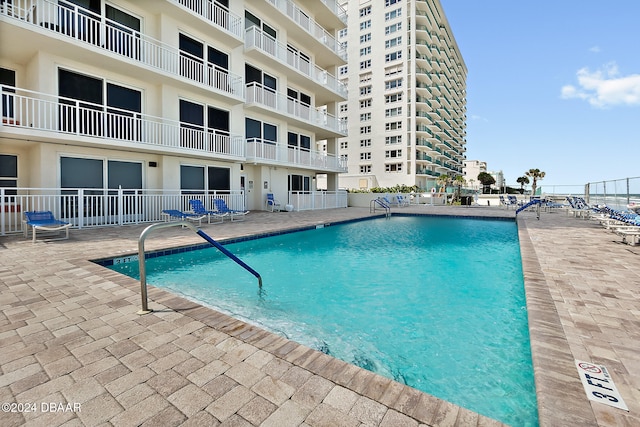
point(69, 332)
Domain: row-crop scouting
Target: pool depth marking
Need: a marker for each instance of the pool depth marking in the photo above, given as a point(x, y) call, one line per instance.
point(599, 385)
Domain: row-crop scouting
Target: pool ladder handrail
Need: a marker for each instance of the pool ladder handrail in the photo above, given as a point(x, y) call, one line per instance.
point(381, 203)
point(142, 262)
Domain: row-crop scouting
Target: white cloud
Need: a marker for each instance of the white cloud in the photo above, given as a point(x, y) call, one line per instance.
point(476, 117)
point(595, 49)
point(605, 87)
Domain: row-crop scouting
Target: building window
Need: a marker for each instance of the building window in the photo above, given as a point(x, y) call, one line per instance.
point(393, 98)
point(392, 112)
point(344, 145)
point(365, 51)
point(9, 173)
point(251, 20)
point(342, 33)
point(365, 130)
point(365, 90)
point(396, 13)
point(258, 132)
point(365, 156)
point(392, 154)
point(393, 126)
point(344, 158)
point(395, 139)
point(392, 84)
point(365, 143)
point(365, 117)
point(299, 141)
point(393, 56)
point(365, 168)
point(393, 167)
point(365, 24)
point(389, 29)
point(396, 41)
point(365, 11)
point(364, 78)
point(390, 2)
point(365, 64)
point(365, 103)
point(201, 179)
point(365, 38)
point(344, 108)
point(343, 70)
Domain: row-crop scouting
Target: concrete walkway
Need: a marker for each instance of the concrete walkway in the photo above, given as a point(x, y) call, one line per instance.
point(73, 351)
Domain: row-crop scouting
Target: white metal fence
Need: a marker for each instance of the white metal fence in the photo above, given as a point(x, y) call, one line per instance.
point(89, 207)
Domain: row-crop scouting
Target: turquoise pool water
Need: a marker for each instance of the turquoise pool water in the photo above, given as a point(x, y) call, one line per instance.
point(433, 302)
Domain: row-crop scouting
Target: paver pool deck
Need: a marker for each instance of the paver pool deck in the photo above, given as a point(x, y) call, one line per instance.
point(70, 334)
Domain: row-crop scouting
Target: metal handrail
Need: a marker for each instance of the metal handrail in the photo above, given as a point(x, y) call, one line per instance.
point(382, 204)
point(142, 262)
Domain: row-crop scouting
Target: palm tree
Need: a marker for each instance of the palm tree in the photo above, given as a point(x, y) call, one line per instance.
point(535, 174)
point(459, 181)
point(443, 182)
point(486, 180)
point(523, 180)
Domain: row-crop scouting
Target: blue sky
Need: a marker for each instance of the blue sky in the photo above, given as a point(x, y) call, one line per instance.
point(553, 85)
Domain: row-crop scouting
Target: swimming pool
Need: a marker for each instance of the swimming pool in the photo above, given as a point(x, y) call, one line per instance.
point(436, 303)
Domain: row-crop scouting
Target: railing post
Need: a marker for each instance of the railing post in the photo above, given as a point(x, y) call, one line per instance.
point(120, 202)
point(80, 203)
point(2, 210)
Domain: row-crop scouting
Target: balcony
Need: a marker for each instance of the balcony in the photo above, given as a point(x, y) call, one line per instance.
point(83, 28)
point(272, 153)
point(307, 29)
point(316, 120)
point(327, 87)
point(27, 114)
point(214, 14)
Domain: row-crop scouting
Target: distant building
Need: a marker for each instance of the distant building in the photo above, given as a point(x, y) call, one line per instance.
point(471, 170)
point(499, 177)
point(407, 95)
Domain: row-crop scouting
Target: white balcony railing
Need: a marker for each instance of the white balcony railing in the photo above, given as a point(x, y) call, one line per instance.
point(35, 111)
point(255, 38)
point(216, 14)
point(262, 151)
point(96, 207)
point(272, 100)
point(336, 8)
point(315, 200)
point(89, 28)
point(308, 24)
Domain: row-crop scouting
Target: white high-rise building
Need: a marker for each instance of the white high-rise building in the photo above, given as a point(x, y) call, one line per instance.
point(407, 95)
point(189, 97)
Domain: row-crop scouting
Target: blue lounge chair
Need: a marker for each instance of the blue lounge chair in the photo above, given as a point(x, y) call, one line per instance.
point(45, 221)
point(176, 214)
point(402, 201)
point(221, 206)
point(272, 204)
point(198, 208)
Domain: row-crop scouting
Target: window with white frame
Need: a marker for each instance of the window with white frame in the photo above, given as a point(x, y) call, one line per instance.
point(396, 41)
point(365, 11)
point(389, 29)
point(365, 117)
point(392, 84)
point(365, 64)
point(365, 130)
point(365, 38)
point(344, 145)
point(393, 56)
point(396, 13)
point(392, 112)
point(392, 70)
point(364, 78)
point(390, 2)
point(394, 139)
point(365, 156)
point(343, 70)
point(365, 103)
point(365, 24)
point(342, 33)
point(344, 107)
point(393, 167)
point(392, 154)
point(365, 51)
point(365, 143)
point(394, 97)
point(9, 173)
point(393, 126)
point(365, 168)
point(344, 158)
point(365, 90)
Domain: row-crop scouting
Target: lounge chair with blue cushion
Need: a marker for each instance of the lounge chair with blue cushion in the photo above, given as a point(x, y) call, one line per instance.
point(198, 208)
point(272, 204)
point(221, 206)
point(45, 221)
point(402, 201)
point(170, 214)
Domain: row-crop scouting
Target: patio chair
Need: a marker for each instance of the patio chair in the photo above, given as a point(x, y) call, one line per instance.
point(401, 200)
point(170, 214)
point(221, 206)
point(198, 208)
point(44, 221)
point(273, 205)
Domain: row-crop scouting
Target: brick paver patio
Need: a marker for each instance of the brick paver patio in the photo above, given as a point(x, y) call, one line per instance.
point(74, 351)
